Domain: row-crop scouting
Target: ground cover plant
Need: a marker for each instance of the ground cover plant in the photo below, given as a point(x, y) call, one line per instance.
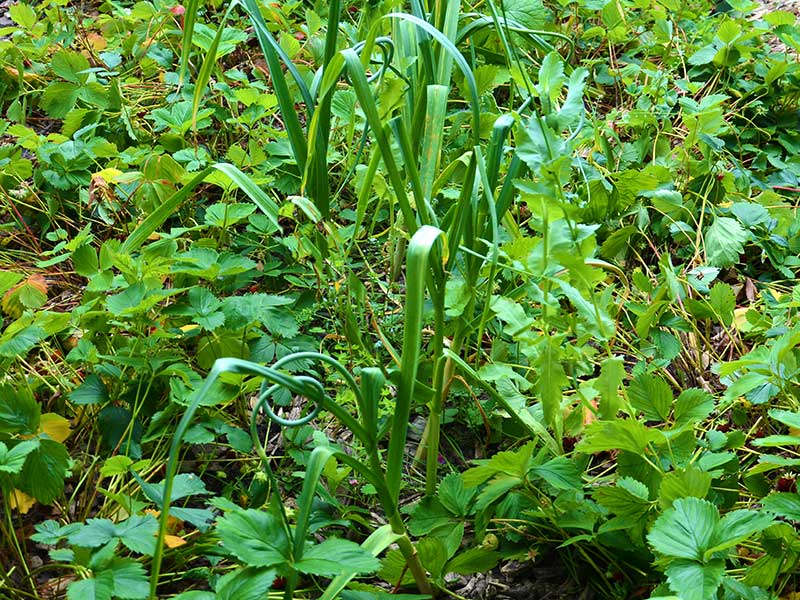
point(368, 299)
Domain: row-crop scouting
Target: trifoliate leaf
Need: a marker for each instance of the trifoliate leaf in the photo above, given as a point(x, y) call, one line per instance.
point(737, 526)
point(224, 215)
point(683, 483)
point(29, 294)
point(783, 504)
point(130, 579)
point(59, 98)
point(429, 514)
point(97, 588)
point(91, 391)
point(454, 495)
point(561, 473)
point(70, 65)
point(22, 14)
point(528, 13)
point(183, 485)
point(137, 533)
point(651, 395)
point(692, 406)
point(750, 214)
point(474, 560)
point(18, 343)
point(723, 301)
point(700, 278)
point(51, 533)
point(629, 498)
point(618, 434)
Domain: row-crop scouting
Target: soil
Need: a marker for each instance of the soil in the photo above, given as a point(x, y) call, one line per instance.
point(5, 20)
point(516, 581)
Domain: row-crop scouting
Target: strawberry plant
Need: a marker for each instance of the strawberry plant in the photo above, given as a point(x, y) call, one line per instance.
point(371, 299)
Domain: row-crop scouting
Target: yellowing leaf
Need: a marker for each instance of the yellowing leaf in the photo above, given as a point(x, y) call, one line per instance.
point(19, 500)
point(26, 75)
point(173, 523)
point(173, 541)
point(96, 41)
point(31, 293)
point(740, 319)
point(108, 175)
point(56, 426)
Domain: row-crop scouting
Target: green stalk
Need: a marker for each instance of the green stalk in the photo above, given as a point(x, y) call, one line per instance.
point(434, 424)
point(420, 249)
point(165, 210)
point(222, 365)
point(189, 18)
point(274, 56)
point(433, 137)
point(318, 169)
point(412, 172)
point(204, 75)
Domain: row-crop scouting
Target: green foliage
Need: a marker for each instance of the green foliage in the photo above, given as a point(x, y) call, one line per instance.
point(562, 235)
point(693, 541)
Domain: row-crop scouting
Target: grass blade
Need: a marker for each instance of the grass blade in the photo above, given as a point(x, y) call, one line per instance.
point(367, 99)
point(449, 48)
point(412, 173)
point(157, 218)
point(189, 18)
point(520, 414)
point(319, 187)
point(272, 55)
point(204, 75)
